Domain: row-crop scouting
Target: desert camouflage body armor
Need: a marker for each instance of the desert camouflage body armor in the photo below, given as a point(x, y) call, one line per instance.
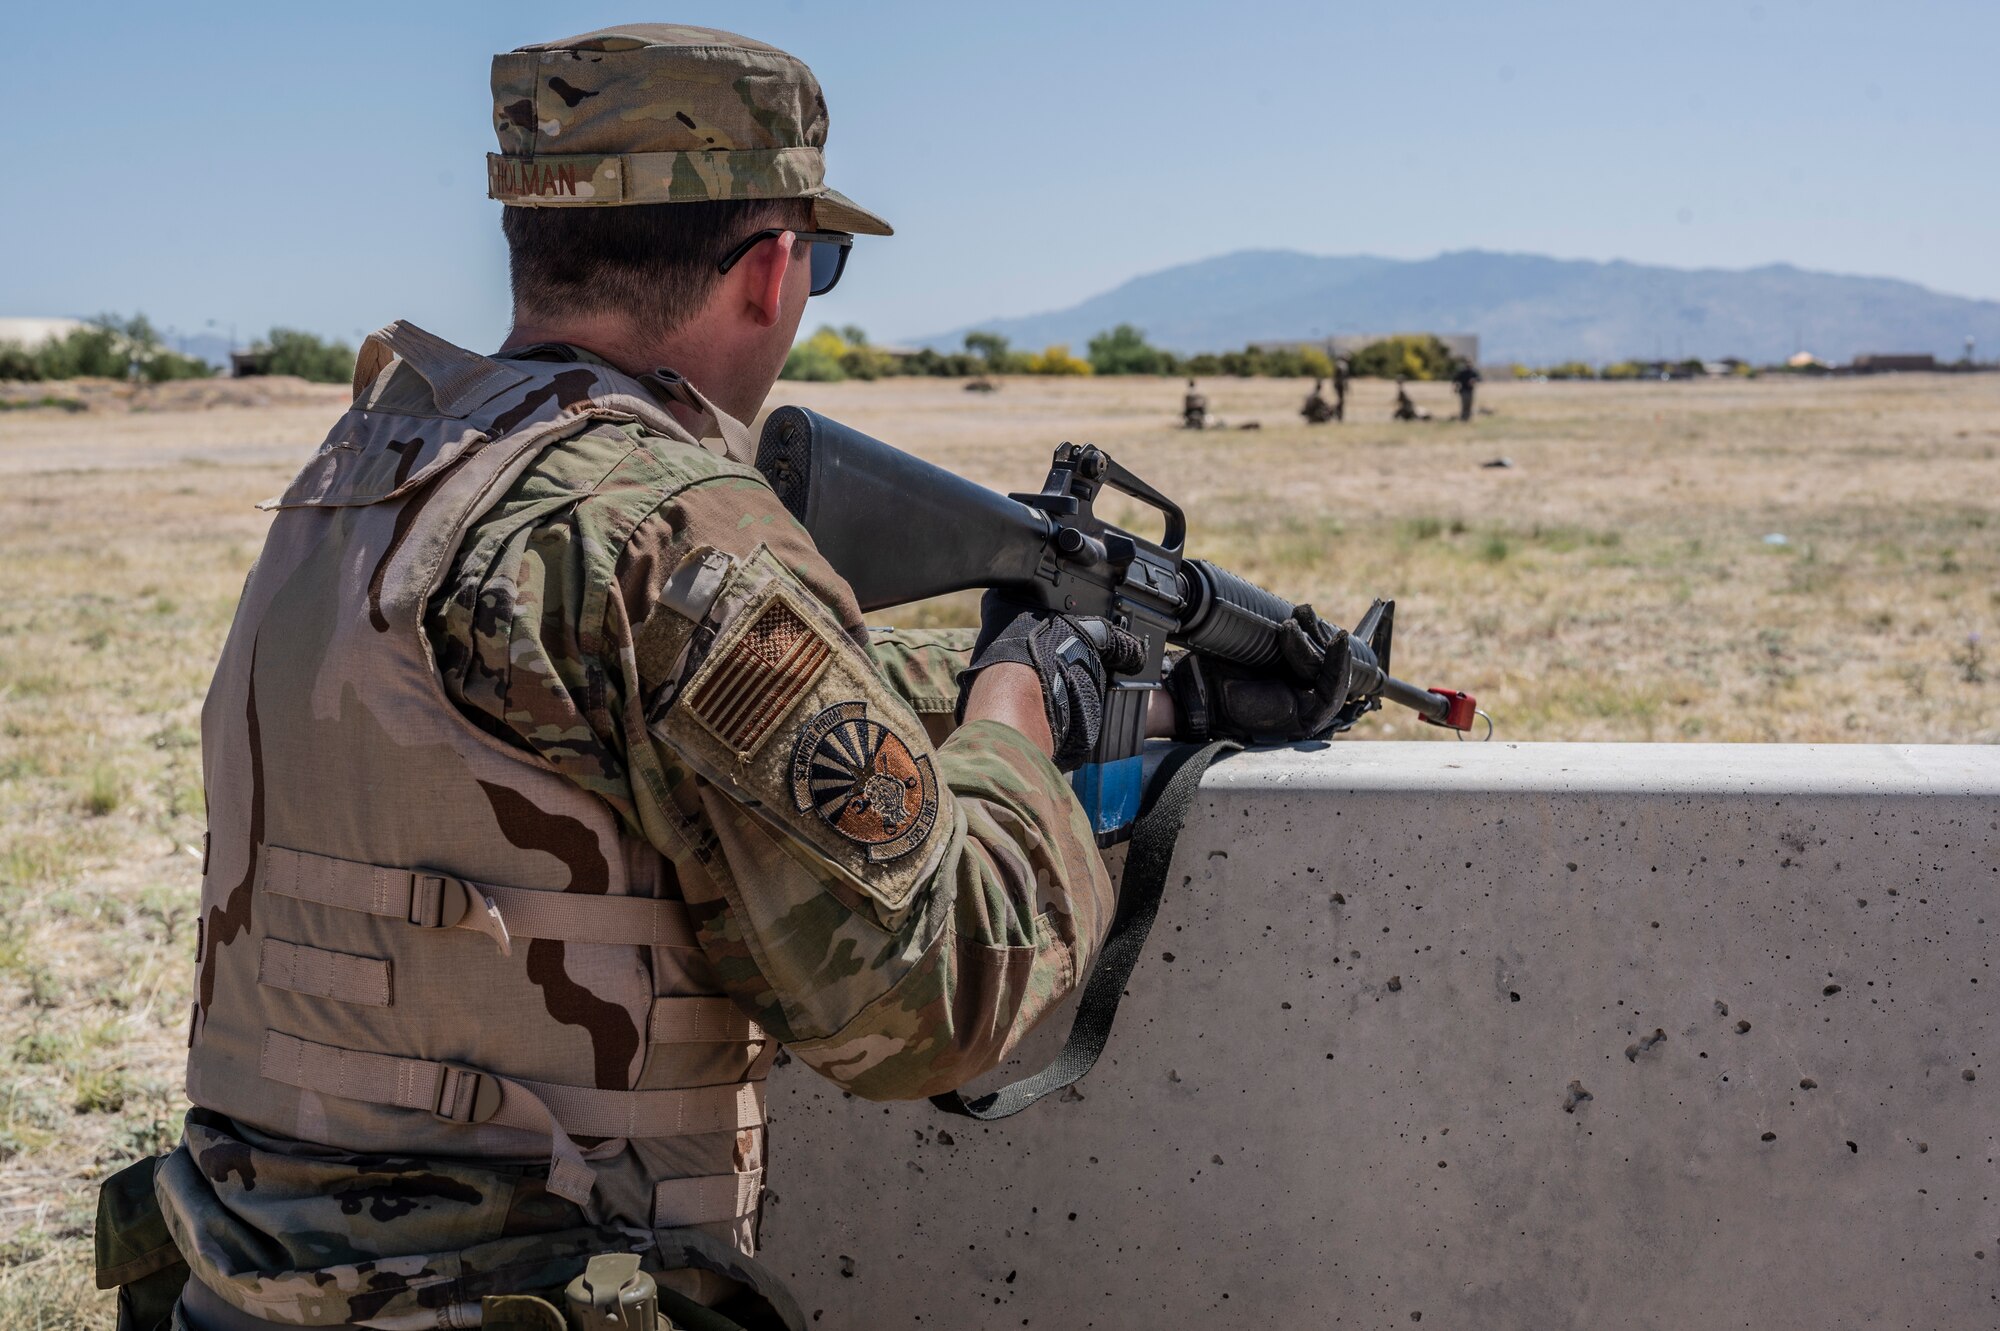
point(416, 939)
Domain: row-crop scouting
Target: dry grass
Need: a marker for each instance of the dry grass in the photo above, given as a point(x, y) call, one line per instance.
point(1614, 583)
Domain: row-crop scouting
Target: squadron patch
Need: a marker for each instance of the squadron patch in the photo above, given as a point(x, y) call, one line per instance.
point(864, 782)
point(767, 669)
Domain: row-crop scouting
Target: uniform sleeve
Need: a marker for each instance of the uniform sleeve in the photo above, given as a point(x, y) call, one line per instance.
point(899, 914)
point(923, 664)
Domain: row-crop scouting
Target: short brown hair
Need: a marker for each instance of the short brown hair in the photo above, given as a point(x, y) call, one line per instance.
point(653, 262)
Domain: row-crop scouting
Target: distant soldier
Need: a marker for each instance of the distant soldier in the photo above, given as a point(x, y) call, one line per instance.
point(1317, 410)
point(1406, 407)
point(1340, 371)
point(1465, 382)
point(1194, 408)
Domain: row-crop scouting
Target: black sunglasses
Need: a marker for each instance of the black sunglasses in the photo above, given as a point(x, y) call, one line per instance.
point(829, 254)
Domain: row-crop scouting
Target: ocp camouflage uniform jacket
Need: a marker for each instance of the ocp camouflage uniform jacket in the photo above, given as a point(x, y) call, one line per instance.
point(897, 977)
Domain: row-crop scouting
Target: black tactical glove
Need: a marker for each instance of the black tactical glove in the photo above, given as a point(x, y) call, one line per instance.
point(1074, 655)
point(1301, 695)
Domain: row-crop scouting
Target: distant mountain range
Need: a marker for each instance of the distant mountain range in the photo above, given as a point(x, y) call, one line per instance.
point(1524, 307)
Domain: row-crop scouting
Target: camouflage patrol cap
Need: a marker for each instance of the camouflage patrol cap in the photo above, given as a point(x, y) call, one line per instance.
point(660, 113)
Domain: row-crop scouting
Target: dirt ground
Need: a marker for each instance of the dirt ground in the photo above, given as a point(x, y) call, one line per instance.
point(1772, 560)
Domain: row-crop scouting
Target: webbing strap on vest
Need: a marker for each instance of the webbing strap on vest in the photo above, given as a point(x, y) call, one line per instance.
point(454, 1094)
point(459, 1094)
point(710, 1019)
point(444, 901)
point(318, 973)
point(1152, 854)
point(711, 1199)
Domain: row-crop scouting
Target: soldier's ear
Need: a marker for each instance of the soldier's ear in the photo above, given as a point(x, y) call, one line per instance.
point(761, 277)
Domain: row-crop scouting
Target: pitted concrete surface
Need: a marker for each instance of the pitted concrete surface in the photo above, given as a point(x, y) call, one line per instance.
point(1484, 1036)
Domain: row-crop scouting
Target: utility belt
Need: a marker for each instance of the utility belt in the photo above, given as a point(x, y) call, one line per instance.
point(137, 1256)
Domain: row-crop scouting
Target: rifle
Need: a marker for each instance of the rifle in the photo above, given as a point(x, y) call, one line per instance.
point(900, 529)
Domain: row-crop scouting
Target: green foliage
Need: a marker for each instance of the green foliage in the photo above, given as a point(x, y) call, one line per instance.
point(1124, 350)
point(1410, 355)
point(19, 364)
point(817, 359)
point(289, 351)
point(1569, 369)
point(833, 354)
point(1626, 369)
point(1273, 362)
point(109, 347)
point(69, 404)
point(994, 354)
point(859, 359)
point(103, 792)
point(943, 364)
point(1055, 359)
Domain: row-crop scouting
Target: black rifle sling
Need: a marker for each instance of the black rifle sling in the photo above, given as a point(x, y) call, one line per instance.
point(1145, 880)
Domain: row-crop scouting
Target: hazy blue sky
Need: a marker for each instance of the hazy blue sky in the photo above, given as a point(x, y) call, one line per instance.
point(322, 165)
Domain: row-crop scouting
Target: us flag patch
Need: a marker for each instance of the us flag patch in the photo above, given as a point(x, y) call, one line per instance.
point(767, 669)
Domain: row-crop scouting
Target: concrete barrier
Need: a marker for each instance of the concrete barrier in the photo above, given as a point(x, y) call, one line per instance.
point(1485, 1036)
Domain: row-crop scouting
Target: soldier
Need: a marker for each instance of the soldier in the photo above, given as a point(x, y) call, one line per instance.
point(1194, 409)
point(1341, 369)
point(1465, 380)
point(1317, 410)
point(554, 782)
point(1406, 407)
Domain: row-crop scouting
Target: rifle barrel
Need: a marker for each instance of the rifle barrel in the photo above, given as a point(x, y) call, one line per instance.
point(1431, 705)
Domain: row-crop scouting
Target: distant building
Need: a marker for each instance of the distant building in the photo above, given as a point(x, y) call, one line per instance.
point(34, 332)
point(249, 364)
point(1883, 363)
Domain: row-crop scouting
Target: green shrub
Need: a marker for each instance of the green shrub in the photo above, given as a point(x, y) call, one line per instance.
point(1055, 359)
point(1411, 355)
point(1576, 369)
point(943, 364)
point(817, 359)
point(19, 364)
point(859, 359)
point(95, 352)
point(290, 351)
point(1124, 350)
point(994, 355)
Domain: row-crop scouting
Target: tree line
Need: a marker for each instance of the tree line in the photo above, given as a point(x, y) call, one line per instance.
point(833, 354)
point(115, 347)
